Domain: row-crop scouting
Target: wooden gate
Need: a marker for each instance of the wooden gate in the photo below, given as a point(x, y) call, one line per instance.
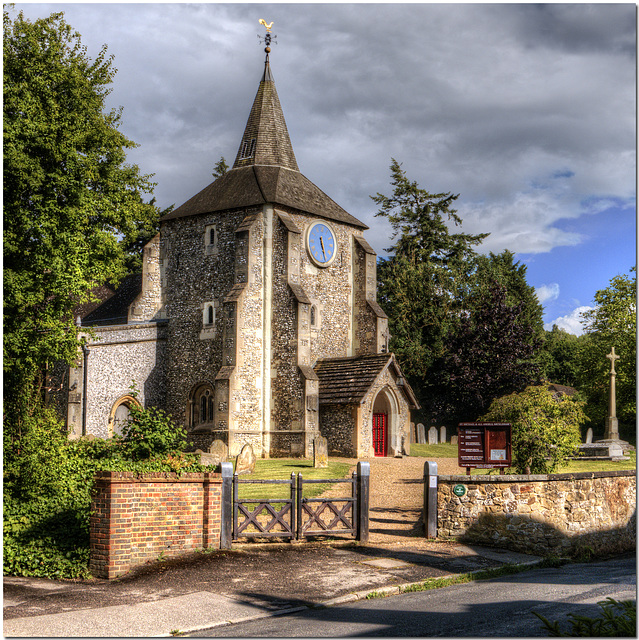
point(380, 432)
point(296, 516)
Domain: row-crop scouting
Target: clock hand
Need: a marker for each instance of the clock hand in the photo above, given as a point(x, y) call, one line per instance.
point(323, 252)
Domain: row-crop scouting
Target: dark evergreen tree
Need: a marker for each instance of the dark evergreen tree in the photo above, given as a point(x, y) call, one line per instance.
point(491, 355)
point(422, 283)
point(444, 300)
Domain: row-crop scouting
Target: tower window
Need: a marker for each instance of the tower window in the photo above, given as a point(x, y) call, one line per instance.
point(120, 413)
point(209, 319)
point(248, 149)
point(313, 316)
point(210, 239)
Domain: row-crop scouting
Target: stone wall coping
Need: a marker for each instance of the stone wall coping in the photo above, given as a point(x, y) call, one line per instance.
point(486, 479)
point(127, 327)
point(129, 477)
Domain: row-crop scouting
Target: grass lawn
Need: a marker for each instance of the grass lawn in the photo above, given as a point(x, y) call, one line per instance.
point(281, 469)
point(443, 450)
point(447, 450)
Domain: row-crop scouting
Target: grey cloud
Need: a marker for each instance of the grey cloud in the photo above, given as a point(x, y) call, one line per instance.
point(489, 101)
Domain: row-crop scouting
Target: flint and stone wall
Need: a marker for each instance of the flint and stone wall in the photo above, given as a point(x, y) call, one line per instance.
point(117, 357)
point(249, 271)
point(541, 514)
point(136, 518)
point(262, 335)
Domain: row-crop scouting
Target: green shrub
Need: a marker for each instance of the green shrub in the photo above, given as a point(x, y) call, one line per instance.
point(151, 432)
point(545, 427)
point(48, 481)
point(615, 620)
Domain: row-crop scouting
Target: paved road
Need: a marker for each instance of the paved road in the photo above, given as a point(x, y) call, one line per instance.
point(499, 608)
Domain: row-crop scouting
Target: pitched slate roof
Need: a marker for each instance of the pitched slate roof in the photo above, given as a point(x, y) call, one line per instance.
point(115, 310)
point(265, 169)
point(348, 380)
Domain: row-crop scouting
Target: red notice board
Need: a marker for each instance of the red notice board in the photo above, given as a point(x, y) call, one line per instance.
point(484, 445)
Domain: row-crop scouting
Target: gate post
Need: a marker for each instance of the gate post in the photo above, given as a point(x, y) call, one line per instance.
point(430, 499)
point(363, 488)
point(226, 515)
point(293, 508)
point(300, 491)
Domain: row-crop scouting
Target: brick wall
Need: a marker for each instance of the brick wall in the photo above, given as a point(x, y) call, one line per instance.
point(541, 514)
point(136, 518)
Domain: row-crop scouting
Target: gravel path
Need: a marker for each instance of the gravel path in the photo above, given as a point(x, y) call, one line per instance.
point(397, 497)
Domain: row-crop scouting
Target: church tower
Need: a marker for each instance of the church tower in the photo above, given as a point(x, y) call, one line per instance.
point(263, 293)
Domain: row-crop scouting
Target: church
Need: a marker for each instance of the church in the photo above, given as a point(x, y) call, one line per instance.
point(254, 320)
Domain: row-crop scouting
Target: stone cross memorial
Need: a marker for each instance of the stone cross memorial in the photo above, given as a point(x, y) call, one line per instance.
point(612, 424)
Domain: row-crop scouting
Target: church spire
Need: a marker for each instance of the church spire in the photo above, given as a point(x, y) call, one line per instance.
point(266, 140)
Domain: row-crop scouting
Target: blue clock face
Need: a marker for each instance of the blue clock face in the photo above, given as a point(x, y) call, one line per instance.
point(321, 244)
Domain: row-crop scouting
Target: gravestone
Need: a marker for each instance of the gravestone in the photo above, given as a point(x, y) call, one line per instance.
point(589, 436)
point(421, 434)
point(206, 458)
point(442, 434)
point(245, 461)
point(320, 452)
point(218, 452)
point(413, 432)
point(453, 439)
point(432, 435)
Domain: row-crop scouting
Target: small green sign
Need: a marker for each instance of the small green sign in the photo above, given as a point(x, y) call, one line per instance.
point(459, 490)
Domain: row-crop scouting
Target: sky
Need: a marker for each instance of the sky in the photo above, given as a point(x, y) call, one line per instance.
point(527, 111)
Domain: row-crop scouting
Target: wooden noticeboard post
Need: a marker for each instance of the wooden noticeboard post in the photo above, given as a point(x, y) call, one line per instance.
point(484, 445)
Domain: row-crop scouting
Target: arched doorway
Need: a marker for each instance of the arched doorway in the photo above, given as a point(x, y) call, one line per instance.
point(120, 413)
point(380, 433)
point(383, 421)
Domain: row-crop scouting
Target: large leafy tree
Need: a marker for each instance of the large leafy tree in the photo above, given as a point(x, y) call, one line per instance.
point(560, 356)
point(612, 323)
point(71, 202)
point(511, 275)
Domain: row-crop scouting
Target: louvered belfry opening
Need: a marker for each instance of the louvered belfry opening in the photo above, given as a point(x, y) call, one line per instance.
point(266, 140)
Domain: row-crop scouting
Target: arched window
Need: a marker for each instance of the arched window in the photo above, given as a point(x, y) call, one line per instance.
point(313, 316)
point(210, 314)
point(120, 413)
point(202, 406)
point(211, 235)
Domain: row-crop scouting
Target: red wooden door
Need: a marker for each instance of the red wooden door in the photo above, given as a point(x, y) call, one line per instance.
point(380, 430)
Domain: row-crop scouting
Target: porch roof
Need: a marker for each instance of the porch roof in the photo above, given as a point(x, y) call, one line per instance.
point(348, 380)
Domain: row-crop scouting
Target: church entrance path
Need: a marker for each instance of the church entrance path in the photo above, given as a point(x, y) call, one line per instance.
point(397, 497)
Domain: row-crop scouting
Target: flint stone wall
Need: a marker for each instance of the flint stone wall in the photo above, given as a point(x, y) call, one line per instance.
point(196, 275)
point(337, 427)
point(542, 514)
point(118, 356)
